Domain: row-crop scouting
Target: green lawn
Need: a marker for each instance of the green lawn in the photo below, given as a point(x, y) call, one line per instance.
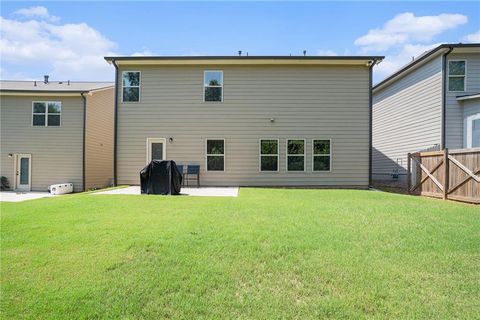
point(267, 254)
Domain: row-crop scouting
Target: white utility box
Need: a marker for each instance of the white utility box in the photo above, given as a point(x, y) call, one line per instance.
point(61, 188)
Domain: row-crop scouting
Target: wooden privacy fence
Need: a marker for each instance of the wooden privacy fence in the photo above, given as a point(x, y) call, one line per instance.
point(447, 174)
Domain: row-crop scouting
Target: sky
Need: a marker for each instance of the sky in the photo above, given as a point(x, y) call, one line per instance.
point(68, 40)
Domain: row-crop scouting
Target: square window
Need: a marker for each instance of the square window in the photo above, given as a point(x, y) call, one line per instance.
point(215, 155)
point(46, 113)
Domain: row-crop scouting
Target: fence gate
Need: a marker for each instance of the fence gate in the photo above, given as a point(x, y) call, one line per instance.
point(447, 174)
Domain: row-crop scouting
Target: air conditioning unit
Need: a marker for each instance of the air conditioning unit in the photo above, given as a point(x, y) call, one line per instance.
point(61, 188)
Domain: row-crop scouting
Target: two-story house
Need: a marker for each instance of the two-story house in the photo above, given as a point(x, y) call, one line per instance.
point(246, 120)
point(431, 103)
point(56, 132)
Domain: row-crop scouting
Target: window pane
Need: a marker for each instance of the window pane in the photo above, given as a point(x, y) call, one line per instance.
point(269, 146)
point(476, 133)
point(321, 163)
point(269, 163)
point(295, 163)
point(38, 107)
point(54, 107)
point(39, 120)
point(215, 147)
point(296, 146)
point(213, 78)
point(24, 165)
point(157, 151)
point(456, 84)
point(53, 120)
point(321, 146)
point(131, 94)
point(456, 68)
point(131, 79)
point(215, 163)
point(213, 94)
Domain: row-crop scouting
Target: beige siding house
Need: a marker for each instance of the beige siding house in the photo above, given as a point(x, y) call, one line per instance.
point(248, 121)
point(431, 103)
point(48, 138)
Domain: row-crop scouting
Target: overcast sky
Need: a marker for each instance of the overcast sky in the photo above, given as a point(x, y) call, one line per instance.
point(68, 40)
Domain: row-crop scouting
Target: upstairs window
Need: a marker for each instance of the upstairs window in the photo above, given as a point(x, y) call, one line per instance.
point(268, 155)
point(131, 86)
point(321, 155)
point(213, 86)
point(46, 113)
point(295, 155)
point(456, 75)
point(215, 155)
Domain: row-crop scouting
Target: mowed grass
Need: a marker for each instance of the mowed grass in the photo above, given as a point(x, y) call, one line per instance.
point(268, 254)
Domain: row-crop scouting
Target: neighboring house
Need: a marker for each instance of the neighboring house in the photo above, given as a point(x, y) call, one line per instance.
point(56, 132)
point(246, 120)
point(431, 103)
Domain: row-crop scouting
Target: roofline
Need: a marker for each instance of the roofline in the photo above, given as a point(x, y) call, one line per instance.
point(468, 96)
point(423, 58)
point(179, 58)
point(50, 92)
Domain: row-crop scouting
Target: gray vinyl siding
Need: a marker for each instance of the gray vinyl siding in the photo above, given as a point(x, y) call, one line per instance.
point(407, 117)
point(454, 109)
point(306, 102)
point(56, 151)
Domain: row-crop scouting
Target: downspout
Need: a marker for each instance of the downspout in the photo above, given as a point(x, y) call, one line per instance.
point(84, 137)
point(444, 97)
point(115, 125)
point(370, 121)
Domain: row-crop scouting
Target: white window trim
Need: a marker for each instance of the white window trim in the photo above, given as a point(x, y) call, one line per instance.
point(149, 147)
point(207, 154)
point(205, 86)
point(470, 120)
point(46, 113)
point(139, 86)
point(304, 155)
point(270, 155)
point(319, 154)
point(457, 76)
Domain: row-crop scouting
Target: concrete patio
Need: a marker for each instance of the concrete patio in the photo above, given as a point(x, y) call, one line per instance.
point(196, 192)
point(13, 196)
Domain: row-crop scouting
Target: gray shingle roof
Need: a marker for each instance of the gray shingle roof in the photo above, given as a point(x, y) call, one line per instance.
point(55, 86)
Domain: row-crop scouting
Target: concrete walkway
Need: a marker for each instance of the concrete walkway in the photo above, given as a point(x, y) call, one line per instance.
point(196, 192)
point(12, 196)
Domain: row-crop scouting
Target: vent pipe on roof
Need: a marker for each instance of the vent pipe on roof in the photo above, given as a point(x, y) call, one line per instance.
point(34, 83)
point(45, 79)
point(304, 52)
point(68, 82)
point(239, 53)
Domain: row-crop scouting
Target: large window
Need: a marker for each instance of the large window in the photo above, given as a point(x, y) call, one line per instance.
point(456, 75)
point(321, 155)
point(131, 86)
point(295, 155)
point(215, 154)
point(213, 86)
point(46, 113)
point(268, 154)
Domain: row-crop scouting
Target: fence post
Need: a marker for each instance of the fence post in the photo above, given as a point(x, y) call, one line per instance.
point(409, 172)
point(446, 164)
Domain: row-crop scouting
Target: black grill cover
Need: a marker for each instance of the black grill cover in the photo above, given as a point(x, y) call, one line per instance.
point(161, 177)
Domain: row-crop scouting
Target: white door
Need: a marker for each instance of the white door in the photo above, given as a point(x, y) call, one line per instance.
point(156, 149)
point(473, 131)
point(23, 172)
